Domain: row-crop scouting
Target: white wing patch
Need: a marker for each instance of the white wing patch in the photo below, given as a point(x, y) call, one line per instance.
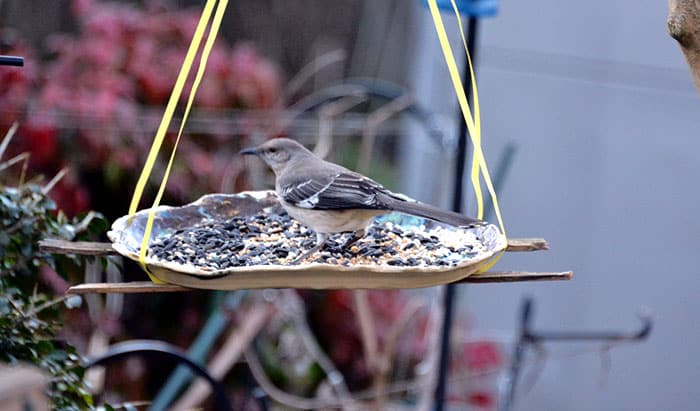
point(308, 202)
point(303, 184)
point(311, 202)
point(403, 197)
point(369, 200)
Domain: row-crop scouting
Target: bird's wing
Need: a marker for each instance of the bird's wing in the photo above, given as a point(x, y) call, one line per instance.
point(336, 192)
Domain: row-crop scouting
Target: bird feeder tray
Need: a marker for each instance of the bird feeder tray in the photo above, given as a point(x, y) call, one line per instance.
point(246, 240)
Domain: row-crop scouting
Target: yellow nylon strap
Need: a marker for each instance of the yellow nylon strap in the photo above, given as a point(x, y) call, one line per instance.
point(479, 167)
point(169, 111)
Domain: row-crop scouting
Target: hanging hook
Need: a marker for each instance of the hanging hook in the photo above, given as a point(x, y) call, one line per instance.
point(610, 336)
point(529, 337)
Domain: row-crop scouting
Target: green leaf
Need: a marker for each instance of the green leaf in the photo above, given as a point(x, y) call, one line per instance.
point(26, 335)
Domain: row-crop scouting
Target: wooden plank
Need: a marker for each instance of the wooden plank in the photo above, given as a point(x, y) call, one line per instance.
point(55, 246)
point(527, 244)
point(516, 276)
point(149, 287)
point(124, 288)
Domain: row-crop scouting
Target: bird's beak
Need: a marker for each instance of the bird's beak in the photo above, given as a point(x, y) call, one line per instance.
point(249, 151)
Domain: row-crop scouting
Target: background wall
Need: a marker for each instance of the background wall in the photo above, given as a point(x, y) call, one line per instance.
point(600, 103)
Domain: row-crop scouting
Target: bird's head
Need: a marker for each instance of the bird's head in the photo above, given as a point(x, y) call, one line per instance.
point(278, 152)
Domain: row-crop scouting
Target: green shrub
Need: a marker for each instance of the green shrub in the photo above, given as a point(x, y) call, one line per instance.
point(30, 315)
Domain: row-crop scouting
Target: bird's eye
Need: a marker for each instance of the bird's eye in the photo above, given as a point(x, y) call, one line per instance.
point(272, 150)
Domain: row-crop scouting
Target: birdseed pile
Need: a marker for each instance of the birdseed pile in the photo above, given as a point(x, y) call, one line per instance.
point(277, 239)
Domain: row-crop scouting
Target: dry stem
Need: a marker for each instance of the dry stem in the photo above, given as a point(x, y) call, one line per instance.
point(374, 120)
point(294, 306)
point(8, 136)
point(236, 342)
point(50, 185)
point(309, 70)
point(368, 335)
point(327, 115)
point(290, 400)
point(14, 160)
point(387, 354)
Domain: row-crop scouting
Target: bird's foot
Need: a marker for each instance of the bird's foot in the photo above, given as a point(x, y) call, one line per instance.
point(307, 254)
point(320, 243)
point(357, 236)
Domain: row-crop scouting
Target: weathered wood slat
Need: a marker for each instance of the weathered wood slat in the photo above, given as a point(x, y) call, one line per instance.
point(516, 276)
point(149, 287)
point(55, 246)
point(95, 248)
point(527, 244)
point(124, 288)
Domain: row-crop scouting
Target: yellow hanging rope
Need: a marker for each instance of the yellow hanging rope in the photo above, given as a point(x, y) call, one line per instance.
point(479, 167)
point(168, 115)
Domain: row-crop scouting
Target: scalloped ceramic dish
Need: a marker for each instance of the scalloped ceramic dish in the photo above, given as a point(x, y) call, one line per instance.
point(126, 239)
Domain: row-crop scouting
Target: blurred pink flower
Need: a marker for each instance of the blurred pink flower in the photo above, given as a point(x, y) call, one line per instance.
point(482, 355)
point(123, 62)
point(70, 197)
point(39, 137)
point(82, 7)
point(254, 82)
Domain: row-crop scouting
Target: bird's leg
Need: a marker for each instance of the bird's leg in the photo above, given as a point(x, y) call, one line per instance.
point(357, 235)
point(320, 243)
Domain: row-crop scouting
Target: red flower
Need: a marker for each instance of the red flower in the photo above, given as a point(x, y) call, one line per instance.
point(481, 399)
point(40, 139)
point(254, 81)
point(70, 198)
point(482, 355)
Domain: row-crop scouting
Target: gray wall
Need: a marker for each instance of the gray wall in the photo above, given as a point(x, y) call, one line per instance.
point(599, 100)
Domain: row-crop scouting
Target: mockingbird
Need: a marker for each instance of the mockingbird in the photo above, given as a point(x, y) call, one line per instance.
point(329, 198)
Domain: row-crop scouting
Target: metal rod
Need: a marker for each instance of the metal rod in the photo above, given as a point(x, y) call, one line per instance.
point(457, 204)
point(11, 61)
point(161, 349)
point(529, 337)
point(511, 379)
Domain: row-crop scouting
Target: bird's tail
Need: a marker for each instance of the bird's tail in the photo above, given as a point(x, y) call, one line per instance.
point(433, 213)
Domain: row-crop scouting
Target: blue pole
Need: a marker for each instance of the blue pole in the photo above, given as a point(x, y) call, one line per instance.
point(11, 61)
point(457, 205)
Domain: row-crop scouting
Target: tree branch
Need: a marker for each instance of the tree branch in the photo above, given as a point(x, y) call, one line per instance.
point(684, 26)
